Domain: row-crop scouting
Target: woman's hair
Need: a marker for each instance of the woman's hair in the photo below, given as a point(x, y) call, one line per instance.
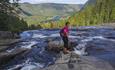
point(67, 23)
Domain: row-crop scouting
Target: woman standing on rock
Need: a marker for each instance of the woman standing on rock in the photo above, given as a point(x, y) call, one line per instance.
point(64, 32)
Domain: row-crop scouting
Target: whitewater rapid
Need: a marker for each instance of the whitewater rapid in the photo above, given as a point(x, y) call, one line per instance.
point(36, 41)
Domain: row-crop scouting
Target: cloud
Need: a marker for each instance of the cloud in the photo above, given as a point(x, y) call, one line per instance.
point(55, 1)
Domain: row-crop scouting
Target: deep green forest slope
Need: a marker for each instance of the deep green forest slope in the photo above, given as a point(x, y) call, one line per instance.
point(95, 12)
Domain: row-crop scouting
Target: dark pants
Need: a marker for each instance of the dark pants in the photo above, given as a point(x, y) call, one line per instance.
point(65, 40)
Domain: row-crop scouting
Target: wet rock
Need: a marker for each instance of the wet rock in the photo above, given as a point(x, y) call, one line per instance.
point(3, 48)
point(103, 49)
point(6, 43)
point(7, 56)
point(57, 46)
point(8, 34)
point(82, 63)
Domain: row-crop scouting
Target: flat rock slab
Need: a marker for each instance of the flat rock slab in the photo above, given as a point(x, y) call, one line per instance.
point(5, 43)
point(7, 56)
point(83, 63)
point(8, 41)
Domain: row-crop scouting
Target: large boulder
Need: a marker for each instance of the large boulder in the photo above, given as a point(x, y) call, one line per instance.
point(57, 45)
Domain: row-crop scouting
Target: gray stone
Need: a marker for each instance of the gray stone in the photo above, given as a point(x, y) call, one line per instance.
point(8, 34)
point(5, 43)
point(55, 45)
point(79, 63)
point(7, 56)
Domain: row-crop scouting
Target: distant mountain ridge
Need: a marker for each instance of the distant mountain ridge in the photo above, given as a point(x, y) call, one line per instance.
point(48, 9)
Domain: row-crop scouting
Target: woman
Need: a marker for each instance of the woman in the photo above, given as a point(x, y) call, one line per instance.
point(64, 32)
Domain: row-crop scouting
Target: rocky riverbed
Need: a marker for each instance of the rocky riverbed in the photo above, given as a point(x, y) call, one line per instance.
point(94, 49)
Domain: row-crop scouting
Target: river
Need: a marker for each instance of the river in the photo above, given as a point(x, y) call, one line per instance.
point(99, 42)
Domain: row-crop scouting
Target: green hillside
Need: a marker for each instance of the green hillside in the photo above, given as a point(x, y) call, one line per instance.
point(95, 12)
point(33, 14)
point(48, 9)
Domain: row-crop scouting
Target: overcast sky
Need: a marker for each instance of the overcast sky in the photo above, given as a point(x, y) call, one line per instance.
point(55, 1)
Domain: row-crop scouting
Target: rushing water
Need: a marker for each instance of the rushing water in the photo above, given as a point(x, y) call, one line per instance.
point(99, 42)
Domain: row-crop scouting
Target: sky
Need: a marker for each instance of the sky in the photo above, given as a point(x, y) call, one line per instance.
point(55, 1)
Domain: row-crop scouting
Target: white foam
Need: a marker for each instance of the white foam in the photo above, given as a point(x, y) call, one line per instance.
point(86, 40)
point(87, 27)
point(72, 36)
point(16, 66)
point(80, 49)
point(91, 38)
point(35, 66)
point(98, 37)
point(55, 35)
point(9, 51)
point(25, 35)
point(38, 36)
point(29, 67)
point(80, 52)
point(58, 35)
point(30, 45)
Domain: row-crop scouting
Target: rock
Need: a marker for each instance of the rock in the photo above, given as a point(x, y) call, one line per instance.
point(54, 45)
point(8, 34)
point(6, 43)
point(3, 48)
point(7, 56)
point(57, 46)
point(82, 63)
